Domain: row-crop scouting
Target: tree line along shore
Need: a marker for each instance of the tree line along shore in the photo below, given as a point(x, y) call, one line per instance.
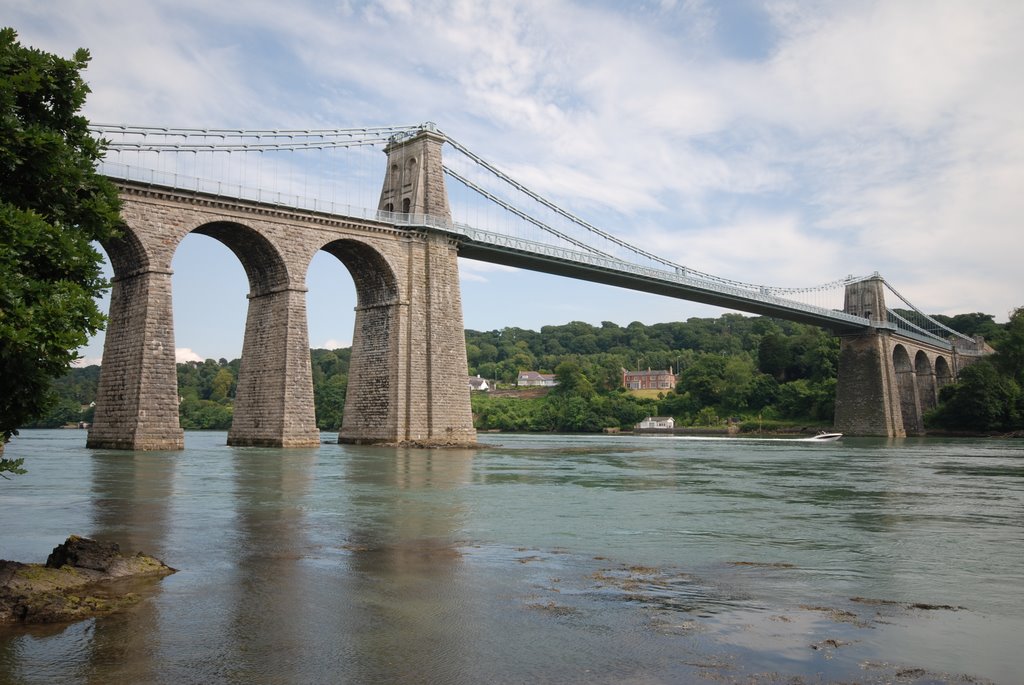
point(754, 373)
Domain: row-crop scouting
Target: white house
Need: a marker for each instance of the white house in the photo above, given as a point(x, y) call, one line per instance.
point(478, 383)
point(532, 378)
point(657, 422)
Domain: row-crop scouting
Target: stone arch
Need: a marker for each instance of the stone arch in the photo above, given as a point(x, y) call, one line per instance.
point(907, 386)
point(126, 252)
point(943, 374)
point(264, 265)
point(371, 400)
point(375, 280)
point(925, 375)
point(274, 396)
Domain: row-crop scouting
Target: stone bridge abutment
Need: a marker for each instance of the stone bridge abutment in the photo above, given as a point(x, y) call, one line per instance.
point(888, 379)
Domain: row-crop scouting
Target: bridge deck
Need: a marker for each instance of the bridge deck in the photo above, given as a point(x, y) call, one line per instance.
point(690, 289)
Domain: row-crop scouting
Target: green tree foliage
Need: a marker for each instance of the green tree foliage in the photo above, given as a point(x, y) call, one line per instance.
point(982, 399)
point(773, 356)
point(738, 376)
point(204, 415)
point(973, 324)
point(704, 380)
point(329, 398)
point(808, 399)
point(716, 358)
point(562, 412)
point(1009, 356)
point(207, 390)
point(223, 385)
point(330, 379)
point(52, 205)
point(572, 381)
point(988, 395)
point(66, 412)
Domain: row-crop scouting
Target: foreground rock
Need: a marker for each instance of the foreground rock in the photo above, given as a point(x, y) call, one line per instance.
point(81, 578)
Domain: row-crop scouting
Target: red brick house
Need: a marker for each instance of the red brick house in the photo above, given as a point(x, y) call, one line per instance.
point(648, 380)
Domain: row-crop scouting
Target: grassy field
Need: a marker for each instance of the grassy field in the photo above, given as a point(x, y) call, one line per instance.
point(647, 394)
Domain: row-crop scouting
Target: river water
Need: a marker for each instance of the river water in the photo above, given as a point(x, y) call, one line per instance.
point(536, 559)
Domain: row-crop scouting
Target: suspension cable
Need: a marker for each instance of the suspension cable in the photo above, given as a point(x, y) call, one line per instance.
point(555, 208)
point(926, 317)
point(230, 140)
point(632, 248)
point(521, 214)
point(215, 140)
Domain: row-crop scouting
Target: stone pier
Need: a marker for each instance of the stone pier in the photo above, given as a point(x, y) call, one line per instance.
point(407, 379)
point(137, 397)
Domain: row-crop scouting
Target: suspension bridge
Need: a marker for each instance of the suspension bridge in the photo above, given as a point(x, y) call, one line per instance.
point(276, 197)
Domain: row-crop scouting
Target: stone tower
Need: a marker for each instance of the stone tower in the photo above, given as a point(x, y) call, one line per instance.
point(414, 182)
point(866, 298)
point(867, 392)
point(408, 380)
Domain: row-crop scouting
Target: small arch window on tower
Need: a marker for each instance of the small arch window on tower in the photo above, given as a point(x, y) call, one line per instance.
point(410, 172)
point(406, 205)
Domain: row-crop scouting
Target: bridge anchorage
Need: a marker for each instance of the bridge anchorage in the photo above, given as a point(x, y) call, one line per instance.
point(407, 377)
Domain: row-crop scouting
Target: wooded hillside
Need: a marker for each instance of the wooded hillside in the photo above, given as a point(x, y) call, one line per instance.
point(730, 367)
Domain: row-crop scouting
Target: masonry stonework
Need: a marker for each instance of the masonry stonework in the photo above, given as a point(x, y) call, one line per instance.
point(414, 183)
point(418, 324)
point(137, 398)
point(887, 381)
point(865, 400)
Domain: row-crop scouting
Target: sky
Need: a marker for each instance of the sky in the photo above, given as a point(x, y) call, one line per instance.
point(781, 142)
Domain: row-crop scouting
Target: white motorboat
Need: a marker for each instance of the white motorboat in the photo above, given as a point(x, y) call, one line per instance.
point(822, 436)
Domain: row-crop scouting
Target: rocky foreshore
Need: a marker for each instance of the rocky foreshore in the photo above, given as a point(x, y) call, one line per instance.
point(80, 579)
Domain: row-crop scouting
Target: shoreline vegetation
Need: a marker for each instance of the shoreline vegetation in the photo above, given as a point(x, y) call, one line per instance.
point(733, 373)
point(693, 431)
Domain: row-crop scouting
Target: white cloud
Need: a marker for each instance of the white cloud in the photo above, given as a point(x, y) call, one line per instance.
point(472, 271)
point(333, 344)
point(872, 135)
point(184, 354)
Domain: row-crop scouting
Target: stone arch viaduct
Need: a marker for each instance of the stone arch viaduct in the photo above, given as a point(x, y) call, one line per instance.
point(407, 377)
point(407, 380)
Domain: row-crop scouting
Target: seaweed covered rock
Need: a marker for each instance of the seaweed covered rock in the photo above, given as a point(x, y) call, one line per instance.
point(81, 578)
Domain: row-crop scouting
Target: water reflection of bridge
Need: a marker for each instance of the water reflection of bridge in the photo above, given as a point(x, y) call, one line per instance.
point(406, 381)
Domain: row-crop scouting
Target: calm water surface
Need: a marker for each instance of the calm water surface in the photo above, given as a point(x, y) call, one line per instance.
point(554, 559)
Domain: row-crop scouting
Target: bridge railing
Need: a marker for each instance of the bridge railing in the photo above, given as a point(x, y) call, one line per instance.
point(233, 191)
point(918, 335)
